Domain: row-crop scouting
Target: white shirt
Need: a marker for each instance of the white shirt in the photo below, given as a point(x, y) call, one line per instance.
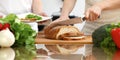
point(15, 6)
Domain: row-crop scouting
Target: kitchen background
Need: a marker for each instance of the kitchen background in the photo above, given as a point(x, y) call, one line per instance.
point(52, 7)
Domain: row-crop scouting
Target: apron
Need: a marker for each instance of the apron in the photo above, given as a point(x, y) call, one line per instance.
point(15, 6)
point(107, 17)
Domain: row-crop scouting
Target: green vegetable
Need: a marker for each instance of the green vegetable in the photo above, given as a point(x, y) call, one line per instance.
point(24, 35)
point(105, 53)
point(109, 51)
point(23, 53)
point(10, 18)
point(102, 39)
point(99, 53)
point(99, 34)
point(33, 16)
point(102, 36)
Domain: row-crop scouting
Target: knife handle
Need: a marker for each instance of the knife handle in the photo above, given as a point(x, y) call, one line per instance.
point(84, 18)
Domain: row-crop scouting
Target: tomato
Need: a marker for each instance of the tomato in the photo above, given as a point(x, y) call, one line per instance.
point(116, 56)
point(6, 25)
point(115, 33)
point(1, 26)
point(1, 16)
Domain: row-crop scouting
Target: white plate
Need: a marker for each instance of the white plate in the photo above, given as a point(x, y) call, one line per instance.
point(23, 16)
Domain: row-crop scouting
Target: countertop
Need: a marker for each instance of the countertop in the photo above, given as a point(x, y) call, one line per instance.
point(60, 52)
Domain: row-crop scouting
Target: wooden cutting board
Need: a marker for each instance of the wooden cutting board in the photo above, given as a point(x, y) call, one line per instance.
point(40, 39)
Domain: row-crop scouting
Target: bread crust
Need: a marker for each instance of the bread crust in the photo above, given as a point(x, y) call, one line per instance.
point(60, 32)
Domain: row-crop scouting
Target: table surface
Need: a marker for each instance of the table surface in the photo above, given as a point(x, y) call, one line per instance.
point(60, 52)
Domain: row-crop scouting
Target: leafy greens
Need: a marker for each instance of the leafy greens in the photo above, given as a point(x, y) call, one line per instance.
point(24, 35)
point(33, 16)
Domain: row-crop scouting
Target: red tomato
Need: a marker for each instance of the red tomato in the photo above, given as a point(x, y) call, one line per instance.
point(6, 25)
point(116, 56)
point(1, 26)
point(1, 16)
point(116, 36)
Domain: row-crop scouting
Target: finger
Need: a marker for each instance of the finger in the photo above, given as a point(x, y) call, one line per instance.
point(90, 16)
point(42, 21)
point(98, 12)
point(97, 16)
point(45, 15)
point(48, 27)
point(94, 16)
point(87, 14)
point(54, 24)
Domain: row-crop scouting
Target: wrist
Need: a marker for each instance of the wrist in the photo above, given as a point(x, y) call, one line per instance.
point(102, 6)
point(63, 17)
point(37, 11)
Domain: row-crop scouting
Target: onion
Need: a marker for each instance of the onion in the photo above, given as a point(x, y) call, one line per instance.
point(7, 54)
point(7, 38)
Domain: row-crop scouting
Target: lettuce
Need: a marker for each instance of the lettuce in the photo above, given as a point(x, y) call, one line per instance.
point(24, 35)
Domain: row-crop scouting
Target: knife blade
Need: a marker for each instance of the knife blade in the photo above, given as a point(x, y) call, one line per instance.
point(72, 21)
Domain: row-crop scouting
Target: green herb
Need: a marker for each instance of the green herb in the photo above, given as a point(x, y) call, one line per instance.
point(33, 16)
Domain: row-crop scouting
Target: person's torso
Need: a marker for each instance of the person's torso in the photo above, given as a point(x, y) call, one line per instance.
point(105, 14)
point(15, 6)
point(106, 17)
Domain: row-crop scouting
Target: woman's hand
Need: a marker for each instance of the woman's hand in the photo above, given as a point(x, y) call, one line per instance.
point(43, 14)
point(93, 13)
point(54, 23)
point(59, 19)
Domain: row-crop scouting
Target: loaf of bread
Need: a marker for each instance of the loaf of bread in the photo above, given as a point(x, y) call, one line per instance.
point(63, 49)
point(60, 32)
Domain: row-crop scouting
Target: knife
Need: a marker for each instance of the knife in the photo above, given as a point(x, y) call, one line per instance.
point(71, 21)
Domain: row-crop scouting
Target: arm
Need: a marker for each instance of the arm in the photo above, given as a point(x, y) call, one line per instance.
point(37, 8)
point(94, 11)
point(68, 5)
point(109, 4)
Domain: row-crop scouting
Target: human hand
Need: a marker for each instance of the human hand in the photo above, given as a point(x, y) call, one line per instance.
point(93, 13)
point(60, 19)
point(43, 14)
point(55, 23)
